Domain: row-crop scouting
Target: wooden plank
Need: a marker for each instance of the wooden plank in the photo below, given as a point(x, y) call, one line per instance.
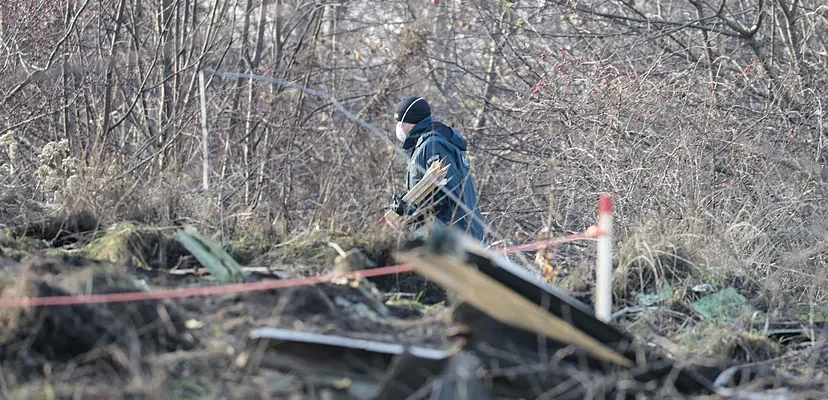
point(503, 304)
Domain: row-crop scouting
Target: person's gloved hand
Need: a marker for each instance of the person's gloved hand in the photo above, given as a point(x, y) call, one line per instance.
point(400, 206)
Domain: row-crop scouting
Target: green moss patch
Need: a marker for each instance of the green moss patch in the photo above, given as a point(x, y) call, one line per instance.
point(134, 246)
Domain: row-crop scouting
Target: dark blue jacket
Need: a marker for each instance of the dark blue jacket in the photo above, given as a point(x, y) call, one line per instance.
point(429, 141)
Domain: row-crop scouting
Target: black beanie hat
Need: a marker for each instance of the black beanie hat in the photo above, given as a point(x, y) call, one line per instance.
point(417, 112)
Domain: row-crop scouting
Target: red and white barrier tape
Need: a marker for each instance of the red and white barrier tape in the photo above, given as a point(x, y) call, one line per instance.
point(198, 291)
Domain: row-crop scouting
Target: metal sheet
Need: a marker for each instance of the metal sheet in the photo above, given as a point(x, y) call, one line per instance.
point(372, 369)
point(346, 342)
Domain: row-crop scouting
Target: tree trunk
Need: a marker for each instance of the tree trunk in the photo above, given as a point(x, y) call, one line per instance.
point(251, 93)
point(205, 135)
point(100, 139)
point(165, 109)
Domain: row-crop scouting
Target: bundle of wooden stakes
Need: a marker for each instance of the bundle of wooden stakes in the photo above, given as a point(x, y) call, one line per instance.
point(432, 179)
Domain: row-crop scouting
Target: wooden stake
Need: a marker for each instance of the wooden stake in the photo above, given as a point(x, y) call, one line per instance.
point(603, 272)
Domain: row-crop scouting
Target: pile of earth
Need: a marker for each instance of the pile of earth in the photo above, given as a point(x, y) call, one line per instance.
point(114, 334)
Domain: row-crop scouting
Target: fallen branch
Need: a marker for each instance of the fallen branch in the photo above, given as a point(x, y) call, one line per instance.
point(250, 270)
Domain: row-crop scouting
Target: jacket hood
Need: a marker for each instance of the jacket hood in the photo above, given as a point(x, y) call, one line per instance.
point(428, 127)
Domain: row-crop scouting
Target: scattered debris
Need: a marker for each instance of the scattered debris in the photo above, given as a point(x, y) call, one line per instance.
point(496, 350)
point(703, 288)
point(648, 300)
point(510, 335)
point(497, 300)
point(355, 366)
point(722, 306)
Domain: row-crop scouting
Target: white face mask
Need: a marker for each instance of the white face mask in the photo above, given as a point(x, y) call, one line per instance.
point(401, 135)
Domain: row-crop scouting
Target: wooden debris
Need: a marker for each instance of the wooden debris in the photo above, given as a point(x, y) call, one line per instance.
point(515, 336)
point(433, 179)
point(373, 370)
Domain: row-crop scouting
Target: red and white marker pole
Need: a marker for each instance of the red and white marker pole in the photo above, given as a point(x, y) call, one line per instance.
point(603, 272)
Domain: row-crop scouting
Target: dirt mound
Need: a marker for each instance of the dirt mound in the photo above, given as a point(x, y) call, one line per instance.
point(60, 229)
point(311, 253)
point(343, 307)
point(746, 348)
point(381, 252)
point(425, 291)
point(141, 247)
point(114, 333)
point(317, 255)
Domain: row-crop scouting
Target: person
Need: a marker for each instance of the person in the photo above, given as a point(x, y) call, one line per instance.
point(426, 141)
